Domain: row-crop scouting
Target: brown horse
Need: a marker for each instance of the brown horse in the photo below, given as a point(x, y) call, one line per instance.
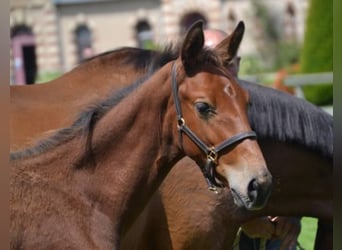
point(296, 139)
point(84, 186)
point(27, 100)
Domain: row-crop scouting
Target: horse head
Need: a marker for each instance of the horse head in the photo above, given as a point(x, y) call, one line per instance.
point(212, 123)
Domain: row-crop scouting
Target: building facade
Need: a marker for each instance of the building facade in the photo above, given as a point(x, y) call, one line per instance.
point(55, 35)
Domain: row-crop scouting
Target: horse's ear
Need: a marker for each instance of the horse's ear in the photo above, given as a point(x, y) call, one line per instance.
point(192, 45)
point(228, 47)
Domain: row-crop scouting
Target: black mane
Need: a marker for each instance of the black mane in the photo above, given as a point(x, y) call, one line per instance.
point(278, 115)
point(140, 58)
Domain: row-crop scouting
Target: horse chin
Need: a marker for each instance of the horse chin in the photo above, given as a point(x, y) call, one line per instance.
point(238, 200)
point(242, 201)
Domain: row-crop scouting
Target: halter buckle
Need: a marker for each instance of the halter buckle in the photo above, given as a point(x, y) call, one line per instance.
point(212, 155)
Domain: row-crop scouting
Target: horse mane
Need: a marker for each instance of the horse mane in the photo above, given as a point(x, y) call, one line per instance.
point(86, 121)
point(139, 58)
point(152, 60)
point(277, 115)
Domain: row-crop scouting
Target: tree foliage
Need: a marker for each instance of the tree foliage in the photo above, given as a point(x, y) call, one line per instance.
point(317, 51)
point(275, 51)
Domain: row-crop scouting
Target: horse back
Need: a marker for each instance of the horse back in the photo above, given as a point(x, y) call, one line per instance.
point(48, 106)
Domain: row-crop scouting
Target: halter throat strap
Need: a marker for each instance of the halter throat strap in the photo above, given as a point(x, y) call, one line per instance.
point(212, 153)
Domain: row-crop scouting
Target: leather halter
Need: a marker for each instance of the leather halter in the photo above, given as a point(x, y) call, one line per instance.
point(212, 152)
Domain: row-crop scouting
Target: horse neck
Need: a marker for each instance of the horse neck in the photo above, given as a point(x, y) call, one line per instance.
point(133, 150)
point(131, 154)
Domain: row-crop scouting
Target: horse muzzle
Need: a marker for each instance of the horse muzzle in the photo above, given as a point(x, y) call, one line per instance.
point(255, 194)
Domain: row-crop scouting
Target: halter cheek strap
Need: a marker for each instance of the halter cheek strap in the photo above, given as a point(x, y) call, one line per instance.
point(212, 153)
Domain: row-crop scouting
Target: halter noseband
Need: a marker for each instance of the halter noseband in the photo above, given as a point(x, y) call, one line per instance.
point(212, 152)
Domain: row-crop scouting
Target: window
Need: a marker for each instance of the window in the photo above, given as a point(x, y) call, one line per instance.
point(83, 42)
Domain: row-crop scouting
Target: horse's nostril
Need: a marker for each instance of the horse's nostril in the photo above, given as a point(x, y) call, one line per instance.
point(252, 190)
point(253, 185)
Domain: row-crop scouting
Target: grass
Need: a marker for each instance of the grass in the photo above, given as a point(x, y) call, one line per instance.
point(308, 233)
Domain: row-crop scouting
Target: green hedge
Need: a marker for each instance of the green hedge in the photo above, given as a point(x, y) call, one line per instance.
point(317, 53)
point(47, 76)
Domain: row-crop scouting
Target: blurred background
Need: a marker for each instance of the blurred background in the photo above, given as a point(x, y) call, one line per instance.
point(57, 34)
point(50, 37)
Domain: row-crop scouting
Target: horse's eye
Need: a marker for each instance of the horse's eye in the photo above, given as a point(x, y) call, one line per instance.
point(204, 109)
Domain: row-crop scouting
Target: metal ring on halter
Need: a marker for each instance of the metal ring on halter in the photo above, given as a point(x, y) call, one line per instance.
point(180, 123)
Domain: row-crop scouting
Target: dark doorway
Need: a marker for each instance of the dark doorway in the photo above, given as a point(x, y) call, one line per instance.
point(30, 65)
point(24, 55)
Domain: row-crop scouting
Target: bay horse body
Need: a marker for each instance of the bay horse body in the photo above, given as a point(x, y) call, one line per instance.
point(82, 187)
point(279, 149)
